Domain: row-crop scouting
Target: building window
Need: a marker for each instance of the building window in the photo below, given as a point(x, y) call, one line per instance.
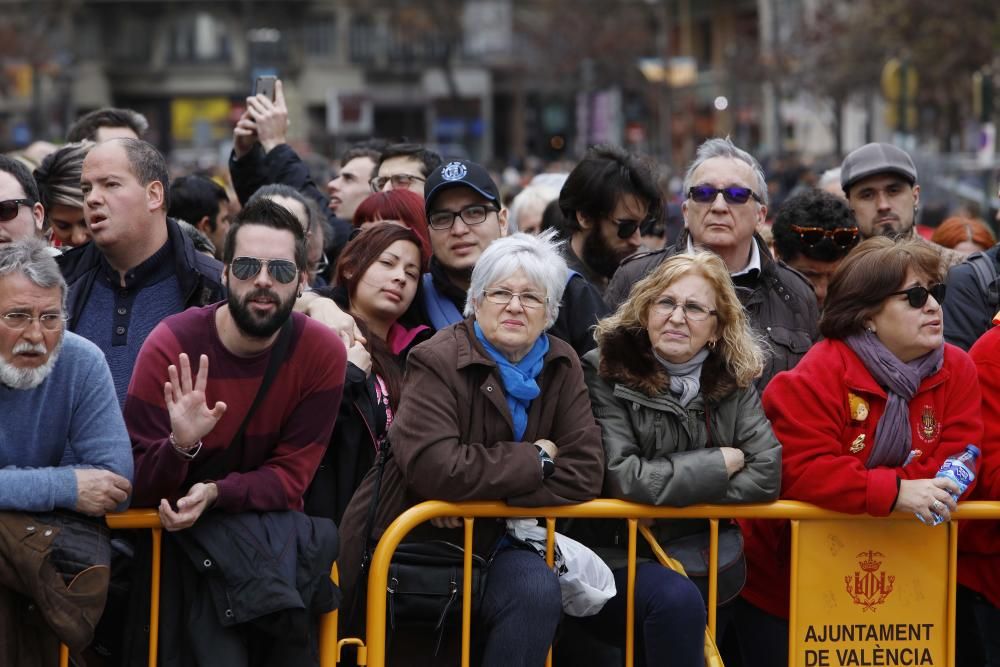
point(198, 38)
point(365, 40)
point(319, 37)
point(131, 42)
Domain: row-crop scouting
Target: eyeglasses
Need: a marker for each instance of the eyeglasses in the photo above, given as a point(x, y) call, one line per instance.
point(21, 321)
point(502, 297)
point(9, 207)
point(282, 270)
point(692, 310)
point(626, 228)
point(917, 295)
point(470, 215)
point(399, 181)
point(845, 237)
point(734, 194)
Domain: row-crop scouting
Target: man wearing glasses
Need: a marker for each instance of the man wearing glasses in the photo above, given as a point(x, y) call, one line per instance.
point(726, 200)
point(404, 167)
point(465, 215)
point(606, 200)
point(182, 429)
point(63, 446)
point(813, 232)
point(21, 214)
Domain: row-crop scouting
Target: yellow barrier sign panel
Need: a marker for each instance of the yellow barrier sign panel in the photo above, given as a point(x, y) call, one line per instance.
point(870, 594)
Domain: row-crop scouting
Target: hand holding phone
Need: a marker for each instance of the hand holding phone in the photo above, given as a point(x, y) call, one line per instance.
point(270, 116)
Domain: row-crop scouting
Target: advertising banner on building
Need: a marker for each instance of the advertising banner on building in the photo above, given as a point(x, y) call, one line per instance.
point(870, 594)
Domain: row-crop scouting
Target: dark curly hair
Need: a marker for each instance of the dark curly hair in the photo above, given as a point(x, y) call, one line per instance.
point(812, 208)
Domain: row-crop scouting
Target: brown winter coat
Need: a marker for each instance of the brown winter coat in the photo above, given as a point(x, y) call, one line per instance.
point(452, 439)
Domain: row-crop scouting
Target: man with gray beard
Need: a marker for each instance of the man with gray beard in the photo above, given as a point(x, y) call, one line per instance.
point(63, 447)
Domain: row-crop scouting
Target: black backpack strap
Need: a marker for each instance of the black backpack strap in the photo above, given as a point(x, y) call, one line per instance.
point(229, 460)
point(985, 270)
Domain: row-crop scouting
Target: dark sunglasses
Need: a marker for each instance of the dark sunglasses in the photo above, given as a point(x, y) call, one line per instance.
point(626, 228)
point(917, 295)
point(282, 270)
point(8, 208)
point(845, 237)
point(734, 194)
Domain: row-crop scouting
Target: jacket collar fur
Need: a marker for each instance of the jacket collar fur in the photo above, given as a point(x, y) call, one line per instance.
point(627, 358)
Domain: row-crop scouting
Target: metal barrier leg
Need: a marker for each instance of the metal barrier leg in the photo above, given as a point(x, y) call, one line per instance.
point(633, 525)
point(329, 655)
point(467, 594)
point(550, 559)
point(154, 598)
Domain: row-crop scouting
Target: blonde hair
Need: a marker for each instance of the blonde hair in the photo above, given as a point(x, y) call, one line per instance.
point(738, 347)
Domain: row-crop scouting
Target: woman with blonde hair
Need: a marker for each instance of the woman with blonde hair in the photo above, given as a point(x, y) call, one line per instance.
point(671, 384)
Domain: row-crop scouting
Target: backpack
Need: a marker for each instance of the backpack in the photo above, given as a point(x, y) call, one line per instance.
point(985, 269)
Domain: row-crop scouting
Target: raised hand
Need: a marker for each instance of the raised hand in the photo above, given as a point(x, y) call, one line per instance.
point(271, 117)
point(244, 135)
point(190, 417)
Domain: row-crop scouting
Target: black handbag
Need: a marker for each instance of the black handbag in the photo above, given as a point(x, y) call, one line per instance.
point(426, 583)
point(693, 553)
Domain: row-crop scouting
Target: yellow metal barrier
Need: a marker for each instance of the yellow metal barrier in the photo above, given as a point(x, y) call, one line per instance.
point(150, 519)
point(615, 509)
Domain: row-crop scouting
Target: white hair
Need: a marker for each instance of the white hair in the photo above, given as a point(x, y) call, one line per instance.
point(533, 195)
point(829, 177)
point(539, 258)
point(32, 258)
point(717, 147)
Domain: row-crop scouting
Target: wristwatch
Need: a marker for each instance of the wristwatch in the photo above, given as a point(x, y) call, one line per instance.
point(548, 465)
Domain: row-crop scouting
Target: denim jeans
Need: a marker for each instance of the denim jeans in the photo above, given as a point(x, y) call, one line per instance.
point(669, 614)
point(520, 610)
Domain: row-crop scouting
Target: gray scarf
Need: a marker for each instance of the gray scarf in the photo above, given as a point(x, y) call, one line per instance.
point(893, 437)
point(685, 378)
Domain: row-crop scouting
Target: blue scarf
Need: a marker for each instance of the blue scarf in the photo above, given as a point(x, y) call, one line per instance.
point(518, 379)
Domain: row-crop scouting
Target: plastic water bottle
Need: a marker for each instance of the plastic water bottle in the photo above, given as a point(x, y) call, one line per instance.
point(961, 469)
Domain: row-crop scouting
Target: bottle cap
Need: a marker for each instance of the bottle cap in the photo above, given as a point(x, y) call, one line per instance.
point(975, 450)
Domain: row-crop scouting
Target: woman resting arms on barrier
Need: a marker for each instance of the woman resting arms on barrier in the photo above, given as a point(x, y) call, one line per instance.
point(377, 280)
point(866, 418)
point(493, 408)
point(672, 387)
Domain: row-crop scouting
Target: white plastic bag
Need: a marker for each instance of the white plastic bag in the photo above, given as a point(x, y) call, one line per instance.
point(586, 581)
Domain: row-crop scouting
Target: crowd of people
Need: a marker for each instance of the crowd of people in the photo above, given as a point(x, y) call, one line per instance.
point(282, 373)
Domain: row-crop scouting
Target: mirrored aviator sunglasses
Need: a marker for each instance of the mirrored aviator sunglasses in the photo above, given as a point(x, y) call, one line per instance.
point(845, 237)
point(246, 268)
point(917, 295)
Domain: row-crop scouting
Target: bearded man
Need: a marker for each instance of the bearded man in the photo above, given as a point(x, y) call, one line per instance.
point(64, 448)
point(182, 429)
point(606, 200)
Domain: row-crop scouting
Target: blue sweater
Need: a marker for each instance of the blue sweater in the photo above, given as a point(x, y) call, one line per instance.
point(71, 420)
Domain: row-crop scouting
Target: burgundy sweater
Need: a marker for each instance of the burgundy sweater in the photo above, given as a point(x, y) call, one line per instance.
point(286, 437)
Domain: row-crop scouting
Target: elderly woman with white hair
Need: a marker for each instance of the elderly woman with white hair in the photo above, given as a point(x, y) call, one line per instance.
point(492, 408)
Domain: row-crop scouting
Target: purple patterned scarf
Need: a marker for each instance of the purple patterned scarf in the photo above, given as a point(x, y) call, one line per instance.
point(893, 435)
